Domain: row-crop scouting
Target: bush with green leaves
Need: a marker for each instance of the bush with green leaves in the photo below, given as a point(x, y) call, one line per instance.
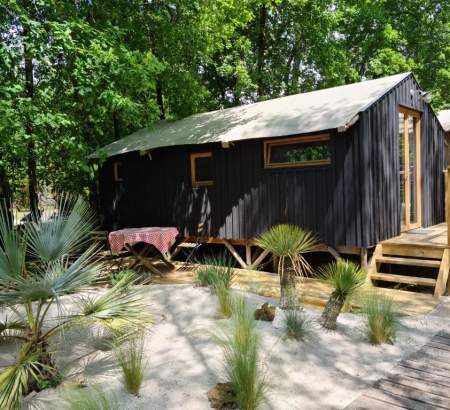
point(40, 264)
point(215, 269)
point(241, 344)
point(130, 356)
point(91, 398)
point(117, 276)
point(345, 278)
point(288, 243)
point(296, 321)
point(382, 318)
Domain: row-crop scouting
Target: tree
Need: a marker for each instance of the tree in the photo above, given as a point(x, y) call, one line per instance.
point(39, 266)
point(345, 278)
point(288, 243)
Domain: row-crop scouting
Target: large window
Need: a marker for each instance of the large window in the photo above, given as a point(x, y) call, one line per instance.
point(202, 169)
point(297, 151)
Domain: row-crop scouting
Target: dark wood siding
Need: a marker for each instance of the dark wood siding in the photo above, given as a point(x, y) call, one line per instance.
point(379, 132)
point(354, 201)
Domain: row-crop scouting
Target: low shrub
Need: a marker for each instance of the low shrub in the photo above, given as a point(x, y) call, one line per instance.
point(241, 346)
point(224, 300)
point(216, 269)
point(130, 356)
point(120, 275)
point(296, 322)
point(89, 399)
point(382, 318)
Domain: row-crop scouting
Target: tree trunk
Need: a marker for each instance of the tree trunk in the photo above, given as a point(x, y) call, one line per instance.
point(261, 49)
point(287, 283)
point(331, 311)
point(31, 154)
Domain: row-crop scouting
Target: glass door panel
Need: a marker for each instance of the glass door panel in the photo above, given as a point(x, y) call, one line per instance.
point(409, 160)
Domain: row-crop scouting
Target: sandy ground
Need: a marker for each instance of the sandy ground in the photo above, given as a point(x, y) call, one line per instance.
point(327, 370)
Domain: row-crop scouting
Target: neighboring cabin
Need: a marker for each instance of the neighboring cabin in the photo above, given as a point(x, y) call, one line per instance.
point(444, 118)
point(356, 164)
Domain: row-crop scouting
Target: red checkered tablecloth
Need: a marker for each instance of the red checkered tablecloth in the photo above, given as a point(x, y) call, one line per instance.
point(160, 238)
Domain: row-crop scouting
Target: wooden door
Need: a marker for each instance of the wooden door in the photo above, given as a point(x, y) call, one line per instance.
point(410, 177)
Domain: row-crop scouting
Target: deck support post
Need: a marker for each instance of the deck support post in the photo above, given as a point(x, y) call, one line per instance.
point(248, 254)
point(259, 259)
point(334, 253)
point(363, 256)
point(447, 202)
point(233, 251)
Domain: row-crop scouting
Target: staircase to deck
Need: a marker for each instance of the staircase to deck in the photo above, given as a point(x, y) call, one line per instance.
point(412, 260)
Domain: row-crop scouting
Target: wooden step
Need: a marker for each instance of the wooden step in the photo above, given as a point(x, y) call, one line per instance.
point(413, 250)
point(394, 260)
point(410, 280)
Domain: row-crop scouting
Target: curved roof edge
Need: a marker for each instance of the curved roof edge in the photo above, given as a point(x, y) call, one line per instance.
point(329, 108)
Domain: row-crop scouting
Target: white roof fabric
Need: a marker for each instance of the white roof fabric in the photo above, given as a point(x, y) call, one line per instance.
point(295, 114)
point(444, 119)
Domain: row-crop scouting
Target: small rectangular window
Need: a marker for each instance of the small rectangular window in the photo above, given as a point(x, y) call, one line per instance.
point(297, 151)
point(202, 169)
point(116, 170)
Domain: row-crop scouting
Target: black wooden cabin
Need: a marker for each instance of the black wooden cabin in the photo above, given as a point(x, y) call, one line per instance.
point(359, 164)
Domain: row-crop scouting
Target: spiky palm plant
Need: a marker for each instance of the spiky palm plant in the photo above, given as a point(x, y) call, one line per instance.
point(39, 264)
point(288, 243)
point(346, 278)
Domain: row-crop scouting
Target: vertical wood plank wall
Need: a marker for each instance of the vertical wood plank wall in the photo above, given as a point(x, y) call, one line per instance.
point(354, 201)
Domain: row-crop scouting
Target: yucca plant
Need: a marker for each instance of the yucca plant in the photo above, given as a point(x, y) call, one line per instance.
point(130, 356)
point(382, 318)
point(224, 300)
point(91, 398)
point(346, 278)
point(39, 264)
point(288, 243)
point(241, 345)
point(216, 269)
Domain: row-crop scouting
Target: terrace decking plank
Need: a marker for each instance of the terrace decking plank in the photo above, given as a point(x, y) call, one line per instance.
point(420, 382)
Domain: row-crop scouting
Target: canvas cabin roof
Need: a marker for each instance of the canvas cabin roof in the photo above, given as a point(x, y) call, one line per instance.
point(330, 108)
point(444, 119)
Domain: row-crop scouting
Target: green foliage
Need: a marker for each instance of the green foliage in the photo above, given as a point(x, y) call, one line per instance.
point(130, 356)
point(90, 399)
point(53, 381)
point(296, 322)
point(215, 270)
point(288, 243)
point(345, 277)
point(382, 318)
point(241, 345)
point(224, 300)
point(117, 276)
point(103, 72)
point(40, 264)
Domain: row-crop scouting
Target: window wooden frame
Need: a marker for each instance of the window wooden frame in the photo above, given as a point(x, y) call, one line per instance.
point(292, 141)
point(194, 181)
point(116, 172)
point(407, 225)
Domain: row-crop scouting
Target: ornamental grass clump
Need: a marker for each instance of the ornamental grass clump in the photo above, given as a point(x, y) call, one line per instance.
point(241, 345)
point(382, 318)
point(345, 278)
point(40, 263)
point(288, 243)
point(216, 269)
point(224, 300)
point(130, 356)
point(296, 322)
point(89, 399)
